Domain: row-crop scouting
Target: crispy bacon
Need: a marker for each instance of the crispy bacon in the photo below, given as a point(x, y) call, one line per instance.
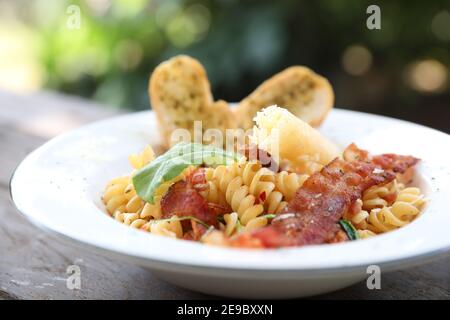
point(353, 153)
point(312, 216)
point(183, 199)
point(196, 232)
point(394, 162)
point(197, 179)
point(340, 236)
point(389, 161)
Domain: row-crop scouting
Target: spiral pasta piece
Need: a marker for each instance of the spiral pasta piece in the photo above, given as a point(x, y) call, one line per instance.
point(120, 196)
point(388, 218)
point(170, 228)
point(218, 180)
point(288, 183)
point(231, 223)
point(263, 185)
point(412, 195)
point(364, 234)
point(374, 197)
point(382, 217)
point(259, 180)
point(247, 187)
point(241, 201)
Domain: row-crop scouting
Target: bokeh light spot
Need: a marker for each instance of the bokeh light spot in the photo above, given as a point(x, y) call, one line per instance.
point(428, 76)
point(356, 60)
point(201, 17)
point(166, 11)
point(440, 25)
point(181, 31)
point(99, 7)
point(128, 54)
point(20, 68)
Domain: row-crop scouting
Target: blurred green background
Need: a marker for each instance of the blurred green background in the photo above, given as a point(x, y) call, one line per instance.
point(401, 70)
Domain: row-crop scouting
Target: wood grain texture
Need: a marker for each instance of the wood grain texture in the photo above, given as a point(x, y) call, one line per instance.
point(33, 263)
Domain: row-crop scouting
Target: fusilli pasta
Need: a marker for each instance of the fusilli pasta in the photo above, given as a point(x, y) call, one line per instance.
point(288, 183)
point(249, 190)
point(379, 214)
point(166, 227)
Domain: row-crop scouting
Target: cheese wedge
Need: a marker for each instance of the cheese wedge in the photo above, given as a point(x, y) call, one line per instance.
point(288, 138)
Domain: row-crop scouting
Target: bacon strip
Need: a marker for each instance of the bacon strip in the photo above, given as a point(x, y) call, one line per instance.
point(183, 199)
point(394, 162)
point(312, 215)
point(388, 161)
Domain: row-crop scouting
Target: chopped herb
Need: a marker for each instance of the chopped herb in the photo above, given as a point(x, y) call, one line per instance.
point(221, 219)
point(348, 227)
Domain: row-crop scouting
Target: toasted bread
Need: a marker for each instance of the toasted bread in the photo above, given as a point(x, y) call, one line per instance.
point(304, 93)
point(180, 94)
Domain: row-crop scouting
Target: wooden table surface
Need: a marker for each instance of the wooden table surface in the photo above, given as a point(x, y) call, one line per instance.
point(33, 263)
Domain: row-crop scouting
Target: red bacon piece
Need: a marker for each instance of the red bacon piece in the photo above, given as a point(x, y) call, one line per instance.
point(183, 199)
point(389, 161)
point(196, 232)
point(394, 162)
point(353, 153)
point(312, 216)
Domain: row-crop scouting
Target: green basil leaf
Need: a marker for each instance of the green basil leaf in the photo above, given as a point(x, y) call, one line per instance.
point(172, 163)
point(348, 227)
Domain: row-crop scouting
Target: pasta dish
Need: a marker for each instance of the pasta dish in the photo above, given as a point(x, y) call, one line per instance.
point(296, 190)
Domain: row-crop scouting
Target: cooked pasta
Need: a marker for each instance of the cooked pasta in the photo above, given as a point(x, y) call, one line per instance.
point(224, 202)
point(248, 188)
point(170, 228)
point(214, 238)
point(375, 197)
point(378, 215)
point(364, 234)
point(241, 201)
point(231, 223)
point(403, 211)
point(288, 183)
point(218, 180)
point(120, 197)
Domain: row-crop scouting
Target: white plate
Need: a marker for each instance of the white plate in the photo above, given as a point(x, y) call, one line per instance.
point(59, 186)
